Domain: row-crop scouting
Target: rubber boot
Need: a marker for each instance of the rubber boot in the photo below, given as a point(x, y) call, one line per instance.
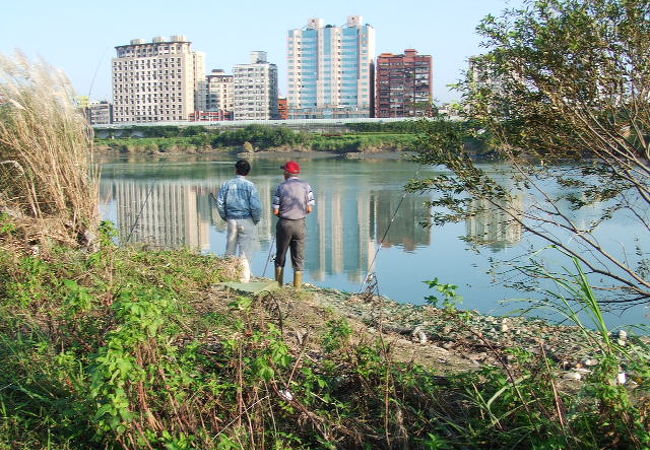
point(279, 274)
point(297, 279)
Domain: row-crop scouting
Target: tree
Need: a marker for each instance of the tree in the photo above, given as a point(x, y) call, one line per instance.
point(562, 81)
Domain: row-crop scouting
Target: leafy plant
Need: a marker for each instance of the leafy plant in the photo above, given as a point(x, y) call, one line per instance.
point(450, 299)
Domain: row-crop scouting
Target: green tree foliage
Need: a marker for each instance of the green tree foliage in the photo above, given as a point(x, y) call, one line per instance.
point(259, 136)
point(163, 131)
point(404, 126)
point(561, 81)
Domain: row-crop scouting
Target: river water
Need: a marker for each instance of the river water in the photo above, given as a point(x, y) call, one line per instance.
point(363, 222)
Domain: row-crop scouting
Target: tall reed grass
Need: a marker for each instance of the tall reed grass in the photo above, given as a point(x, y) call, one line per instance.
point(47, 175)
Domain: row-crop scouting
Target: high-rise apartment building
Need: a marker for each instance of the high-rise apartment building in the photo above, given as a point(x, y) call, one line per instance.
point(99, 113)
point(162, 80)
point(256, 89)
point(403, 86)
point(331, 70)
point(220, 93)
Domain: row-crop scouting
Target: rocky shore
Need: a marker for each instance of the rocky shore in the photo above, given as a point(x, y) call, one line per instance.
point(451, 341)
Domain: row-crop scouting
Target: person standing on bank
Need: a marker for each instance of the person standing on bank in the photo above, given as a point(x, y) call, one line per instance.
point(292, 201)
point(238, 203)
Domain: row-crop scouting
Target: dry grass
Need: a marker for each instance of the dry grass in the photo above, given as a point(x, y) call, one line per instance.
point(47, 173)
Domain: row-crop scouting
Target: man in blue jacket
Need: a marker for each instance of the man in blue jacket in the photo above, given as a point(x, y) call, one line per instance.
point(238, 203)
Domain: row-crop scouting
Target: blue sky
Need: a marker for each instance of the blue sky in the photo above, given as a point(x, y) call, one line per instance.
point(226, 31)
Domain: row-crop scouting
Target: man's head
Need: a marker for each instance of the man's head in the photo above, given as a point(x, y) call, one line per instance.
point(291, 168)
point(242, 167)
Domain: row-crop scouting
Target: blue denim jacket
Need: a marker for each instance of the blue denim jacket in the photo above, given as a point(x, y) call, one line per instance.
point(238, 199)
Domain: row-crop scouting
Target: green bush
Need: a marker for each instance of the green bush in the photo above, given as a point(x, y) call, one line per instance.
point(260, 136)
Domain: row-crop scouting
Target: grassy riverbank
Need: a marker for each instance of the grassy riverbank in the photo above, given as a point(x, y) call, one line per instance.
point(142, 348)
point(197, 139)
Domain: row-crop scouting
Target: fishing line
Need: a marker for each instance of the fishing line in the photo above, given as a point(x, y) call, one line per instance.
point(268, 258)
point(371, 275)
point(92, 81)
point(146, 199)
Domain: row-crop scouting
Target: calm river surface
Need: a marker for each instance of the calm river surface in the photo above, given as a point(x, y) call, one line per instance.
point(166, 202)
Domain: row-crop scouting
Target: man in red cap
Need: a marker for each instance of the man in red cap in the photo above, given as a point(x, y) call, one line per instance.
point(292, 201)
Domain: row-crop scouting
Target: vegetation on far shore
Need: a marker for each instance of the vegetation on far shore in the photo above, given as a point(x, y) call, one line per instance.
point(363, 138)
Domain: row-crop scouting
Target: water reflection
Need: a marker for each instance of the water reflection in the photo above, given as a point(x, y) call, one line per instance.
point(347, 224)
point(167, 204)
point(496, 226)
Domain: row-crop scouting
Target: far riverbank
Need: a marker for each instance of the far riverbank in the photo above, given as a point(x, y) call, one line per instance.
point(392, 138)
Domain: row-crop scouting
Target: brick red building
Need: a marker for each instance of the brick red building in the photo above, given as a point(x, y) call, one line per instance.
point(283, 108)
point(403, 86)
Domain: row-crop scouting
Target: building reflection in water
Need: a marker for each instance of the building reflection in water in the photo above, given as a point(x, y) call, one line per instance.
point(411, 226)
point(496, 227)
point(166, 215)
point(343, 232)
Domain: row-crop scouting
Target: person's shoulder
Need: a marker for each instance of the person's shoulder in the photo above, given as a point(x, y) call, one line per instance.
point(249, 183)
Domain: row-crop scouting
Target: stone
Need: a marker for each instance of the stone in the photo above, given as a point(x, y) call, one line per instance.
point(419, 336)
point(572, 376)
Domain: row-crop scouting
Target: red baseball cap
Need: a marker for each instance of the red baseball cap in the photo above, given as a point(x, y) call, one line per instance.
point(291, 167)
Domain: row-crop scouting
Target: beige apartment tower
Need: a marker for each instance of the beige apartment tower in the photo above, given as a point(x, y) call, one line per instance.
point(157, 81)
point(256, 89)
point(220, 93)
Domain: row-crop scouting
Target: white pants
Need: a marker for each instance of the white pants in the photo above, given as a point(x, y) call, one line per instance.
point(241, 240)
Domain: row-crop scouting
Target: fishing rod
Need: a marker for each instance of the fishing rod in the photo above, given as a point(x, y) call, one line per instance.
point(146, 199)
point(371, 276)
point(269, 257)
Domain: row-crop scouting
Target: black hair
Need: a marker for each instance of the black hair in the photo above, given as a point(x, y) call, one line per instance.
point(242, 167)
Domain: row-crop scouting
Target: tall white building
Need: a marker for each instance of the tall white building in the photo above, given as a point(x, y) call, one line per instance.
point(256, 89)
point(162, 80)
point(331, 70)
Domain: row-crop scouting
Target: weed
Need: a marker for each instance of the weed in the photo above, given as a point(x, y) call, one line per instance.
point(129, 348)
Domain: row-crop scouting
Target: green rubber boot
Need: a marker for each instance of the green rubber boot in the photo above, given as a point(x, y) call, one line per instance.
point(297, 279)
point(279, 274)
